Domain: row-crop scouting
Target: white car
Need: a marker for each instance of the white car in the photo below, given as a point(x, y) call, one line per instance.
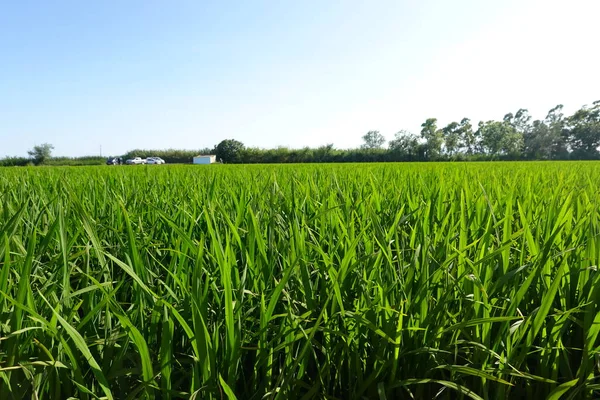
point(155, 160)
point(135, 161)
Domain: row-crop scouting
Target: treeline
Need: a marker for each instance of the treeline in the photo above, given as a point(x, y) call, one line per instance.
point(76, 161)
point(56, 161)
point(233, 151)
point(516, 137)
point(171, 156)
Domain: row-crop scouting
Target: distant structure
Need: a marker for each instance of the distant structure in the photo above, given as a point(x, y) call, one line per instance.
point(205, 159)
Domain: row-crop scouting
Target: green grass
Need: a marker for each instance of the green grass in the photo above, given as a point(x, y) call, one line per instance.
point(300, 281)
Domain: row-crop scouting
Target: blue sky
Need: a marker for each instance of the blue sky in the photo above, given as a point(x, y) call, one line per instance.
point(187, 74)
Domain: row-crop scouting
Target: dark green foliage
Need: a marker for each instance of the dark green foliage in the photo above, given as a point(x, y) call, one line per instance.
point(406, 147)
point(15, 162)
point(171, 156)
point(54, 161)
point(75, 161)
point(584, 129)
point(230, 151)
point(39, 154)
point(500, 138)
point(433, 139)
point(373, 140)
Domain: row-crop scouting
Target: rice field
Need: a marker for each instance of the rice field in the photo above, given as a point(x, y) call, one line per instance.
point(356, 281)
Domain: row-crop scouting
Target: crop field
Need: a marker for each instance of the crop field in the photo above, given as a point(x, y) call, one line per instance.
point(356, 281)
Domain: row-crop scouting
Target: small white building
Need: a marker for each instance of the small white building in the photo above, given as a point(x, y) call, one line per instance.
point(205, 159)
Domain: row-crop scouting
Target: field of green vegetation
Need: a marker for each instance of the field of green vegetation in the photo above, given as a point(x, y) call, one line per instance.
point(374, 281)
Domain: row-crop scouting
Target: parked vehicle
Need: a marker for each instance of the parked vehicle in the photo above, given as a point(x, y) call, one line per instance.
point(155, 160)
point(136, 161)
point(112, 161)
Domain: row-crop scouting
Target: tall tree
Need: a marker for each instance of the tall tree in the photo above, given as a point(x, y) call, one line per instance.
point(405, 146)
point(544, 140)
point(531, 136)
point(468, 137)
point(433, 138)
point(230, 151)
point(521, 121)
point(500, 138)
point(584, 131)
point(451, 133)
point(490, 137)
point(560, 136)
point(41, 153)
point(322, 153)
point(538, 141)
point(373, 140)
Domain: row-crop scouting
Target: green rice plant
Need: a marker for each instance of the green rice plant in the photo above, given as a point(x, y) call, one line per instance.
point(354, 281)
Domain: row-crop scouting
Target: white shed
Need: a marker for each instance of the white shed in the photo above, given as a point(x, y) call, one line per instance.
point(205, 159)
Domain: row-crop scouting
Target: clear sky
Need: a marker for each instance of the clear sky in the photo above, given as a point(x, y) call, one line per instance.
point(187, 74)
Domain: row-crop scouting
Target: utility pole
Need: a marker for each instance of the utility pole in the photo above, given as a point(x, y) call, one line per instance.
point(100, 150)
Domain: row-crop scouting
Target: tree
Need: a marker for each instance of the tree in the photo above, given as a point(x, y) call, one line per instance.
point(451, 134)
point(373, 140)
point(544, 140)
point(41, 153)
point(468, 137)
point(533, 139)
point(230, 151)
point(560, 136)
point(405, 145)
point(584, 131)
point(522, 120)
point(433, 137)
point(491, 137)
point(500, 138)
point(322, 153)
point(537, 142)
